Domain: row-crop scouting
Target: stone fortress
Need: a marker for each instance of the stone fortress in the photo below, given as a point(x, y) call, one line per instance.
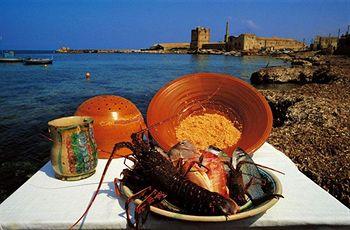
point(244, 44)
point(321, 42)
point(200, 39)
point(337, 45)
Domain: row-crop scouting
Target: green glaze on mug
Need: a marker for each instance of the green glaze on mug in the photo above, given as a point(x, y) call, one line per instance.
point(74, 150)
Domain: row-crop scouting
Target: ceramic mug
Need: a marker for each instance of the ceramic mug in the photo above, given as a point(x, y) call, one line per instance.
point(74, 151)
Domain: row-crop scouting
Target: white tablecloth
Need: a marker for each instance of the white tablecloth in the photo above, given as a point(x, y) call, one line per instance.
point(45, 202)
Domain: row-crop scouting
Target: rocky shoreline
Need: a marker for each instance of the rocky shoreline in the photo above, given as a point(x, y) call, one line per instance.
point(177, 51)
point(311, 119)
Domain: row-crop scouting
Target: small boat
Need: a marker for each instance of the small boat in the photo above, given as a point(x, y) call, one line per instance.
point(9, 57)
point(11, 60)
point(37, 61)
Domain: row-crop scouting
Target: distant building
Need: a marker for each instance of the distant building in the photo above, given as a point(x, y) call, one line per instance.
point(170, 46)
point(344, 45)
point(321, 43)
point(200, 39)
point(199, 36)
point(248, 42)
point(227, 34)
point(63, 50)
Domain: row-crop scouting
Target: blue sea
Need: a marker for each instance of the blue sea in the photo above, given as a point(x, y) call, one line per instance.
point(30, 96)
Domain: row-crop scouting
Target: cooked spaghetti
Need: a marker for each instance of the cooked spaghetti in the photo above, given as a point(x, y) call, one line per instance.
point(208, 129)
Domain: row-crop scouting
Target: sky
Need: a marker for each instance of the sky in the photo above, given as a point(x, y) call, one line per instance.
point(124, 24)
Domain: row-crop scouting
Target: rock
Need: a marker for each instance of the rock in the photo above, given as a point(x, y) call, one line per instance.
point(279, 104)
point(325, 74)
point(233, 53)
point(279, 74)
point(295, 74)
point(284, 57)
point(207, 51)
point(300, 62)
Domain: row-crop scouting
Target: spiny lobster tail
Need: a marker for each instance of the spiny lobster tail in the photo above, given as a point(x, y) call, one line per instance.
point(197, 200)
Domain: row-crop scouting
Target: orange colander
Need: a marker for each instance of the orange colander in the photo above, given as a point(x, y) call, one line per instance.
point(115, 119)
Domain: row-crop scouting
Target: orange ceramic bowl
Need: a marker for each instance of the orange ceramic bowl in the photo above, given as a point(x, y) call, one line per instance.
point(115, 119)
point(210, 93)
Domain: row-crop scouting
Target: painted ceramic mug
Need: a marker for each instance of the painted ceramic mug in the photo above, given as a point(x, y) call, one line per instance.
point(74, 151)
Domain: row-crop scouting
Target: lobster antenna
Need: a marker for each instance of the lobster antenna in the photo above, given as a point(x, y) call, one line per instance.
point(100, 183)
point(261, 166)
point(45, 137)
point(119, 155)
point(117, 147)
point(176, 115)
point(255, 177)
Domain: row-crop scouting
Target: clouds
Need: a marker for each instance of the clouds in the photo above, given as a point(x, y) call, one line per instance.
point(250, 25)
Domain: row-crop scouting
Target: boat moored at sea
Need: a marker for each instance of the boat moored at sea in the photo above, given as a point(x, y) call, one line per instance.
point(37, 61)
point(9, 57)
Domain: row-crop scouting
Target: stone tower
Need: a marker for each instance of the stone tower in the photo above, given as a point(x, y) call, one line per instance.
point(227, 34)
point(199, 36)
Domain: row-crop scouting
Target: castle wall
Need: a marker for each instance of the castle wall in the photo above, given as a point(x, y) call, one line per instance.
point(235, 43)
point(214, 46)
point(247, 42)
point(325, 42)
point(275, 43)
point(170, 46)
point(344, 45)
point(200, 39)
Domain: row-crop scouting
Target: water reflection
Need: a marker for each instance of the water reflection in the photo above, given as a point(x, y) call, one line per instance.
point(201, 62)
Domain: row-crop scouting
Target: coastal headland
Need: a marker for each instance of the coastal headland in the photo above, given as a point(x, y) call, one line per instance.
point(243, 44)
point(310, 105)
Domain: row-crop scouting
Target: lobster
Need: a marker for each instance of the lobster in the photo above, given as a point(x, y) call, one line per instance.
point(166, 181)
point(156, 176)
point(242, 179)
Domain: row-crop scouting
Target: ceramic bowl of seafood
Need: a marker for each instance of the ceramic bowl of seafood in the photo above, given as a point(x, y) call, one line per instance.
point(167, 209)
point(193, 185)
point(210, 109)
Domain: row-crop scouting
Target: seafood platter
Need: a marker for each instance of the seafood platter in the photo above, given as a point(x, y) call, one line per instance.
point(193, 159)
